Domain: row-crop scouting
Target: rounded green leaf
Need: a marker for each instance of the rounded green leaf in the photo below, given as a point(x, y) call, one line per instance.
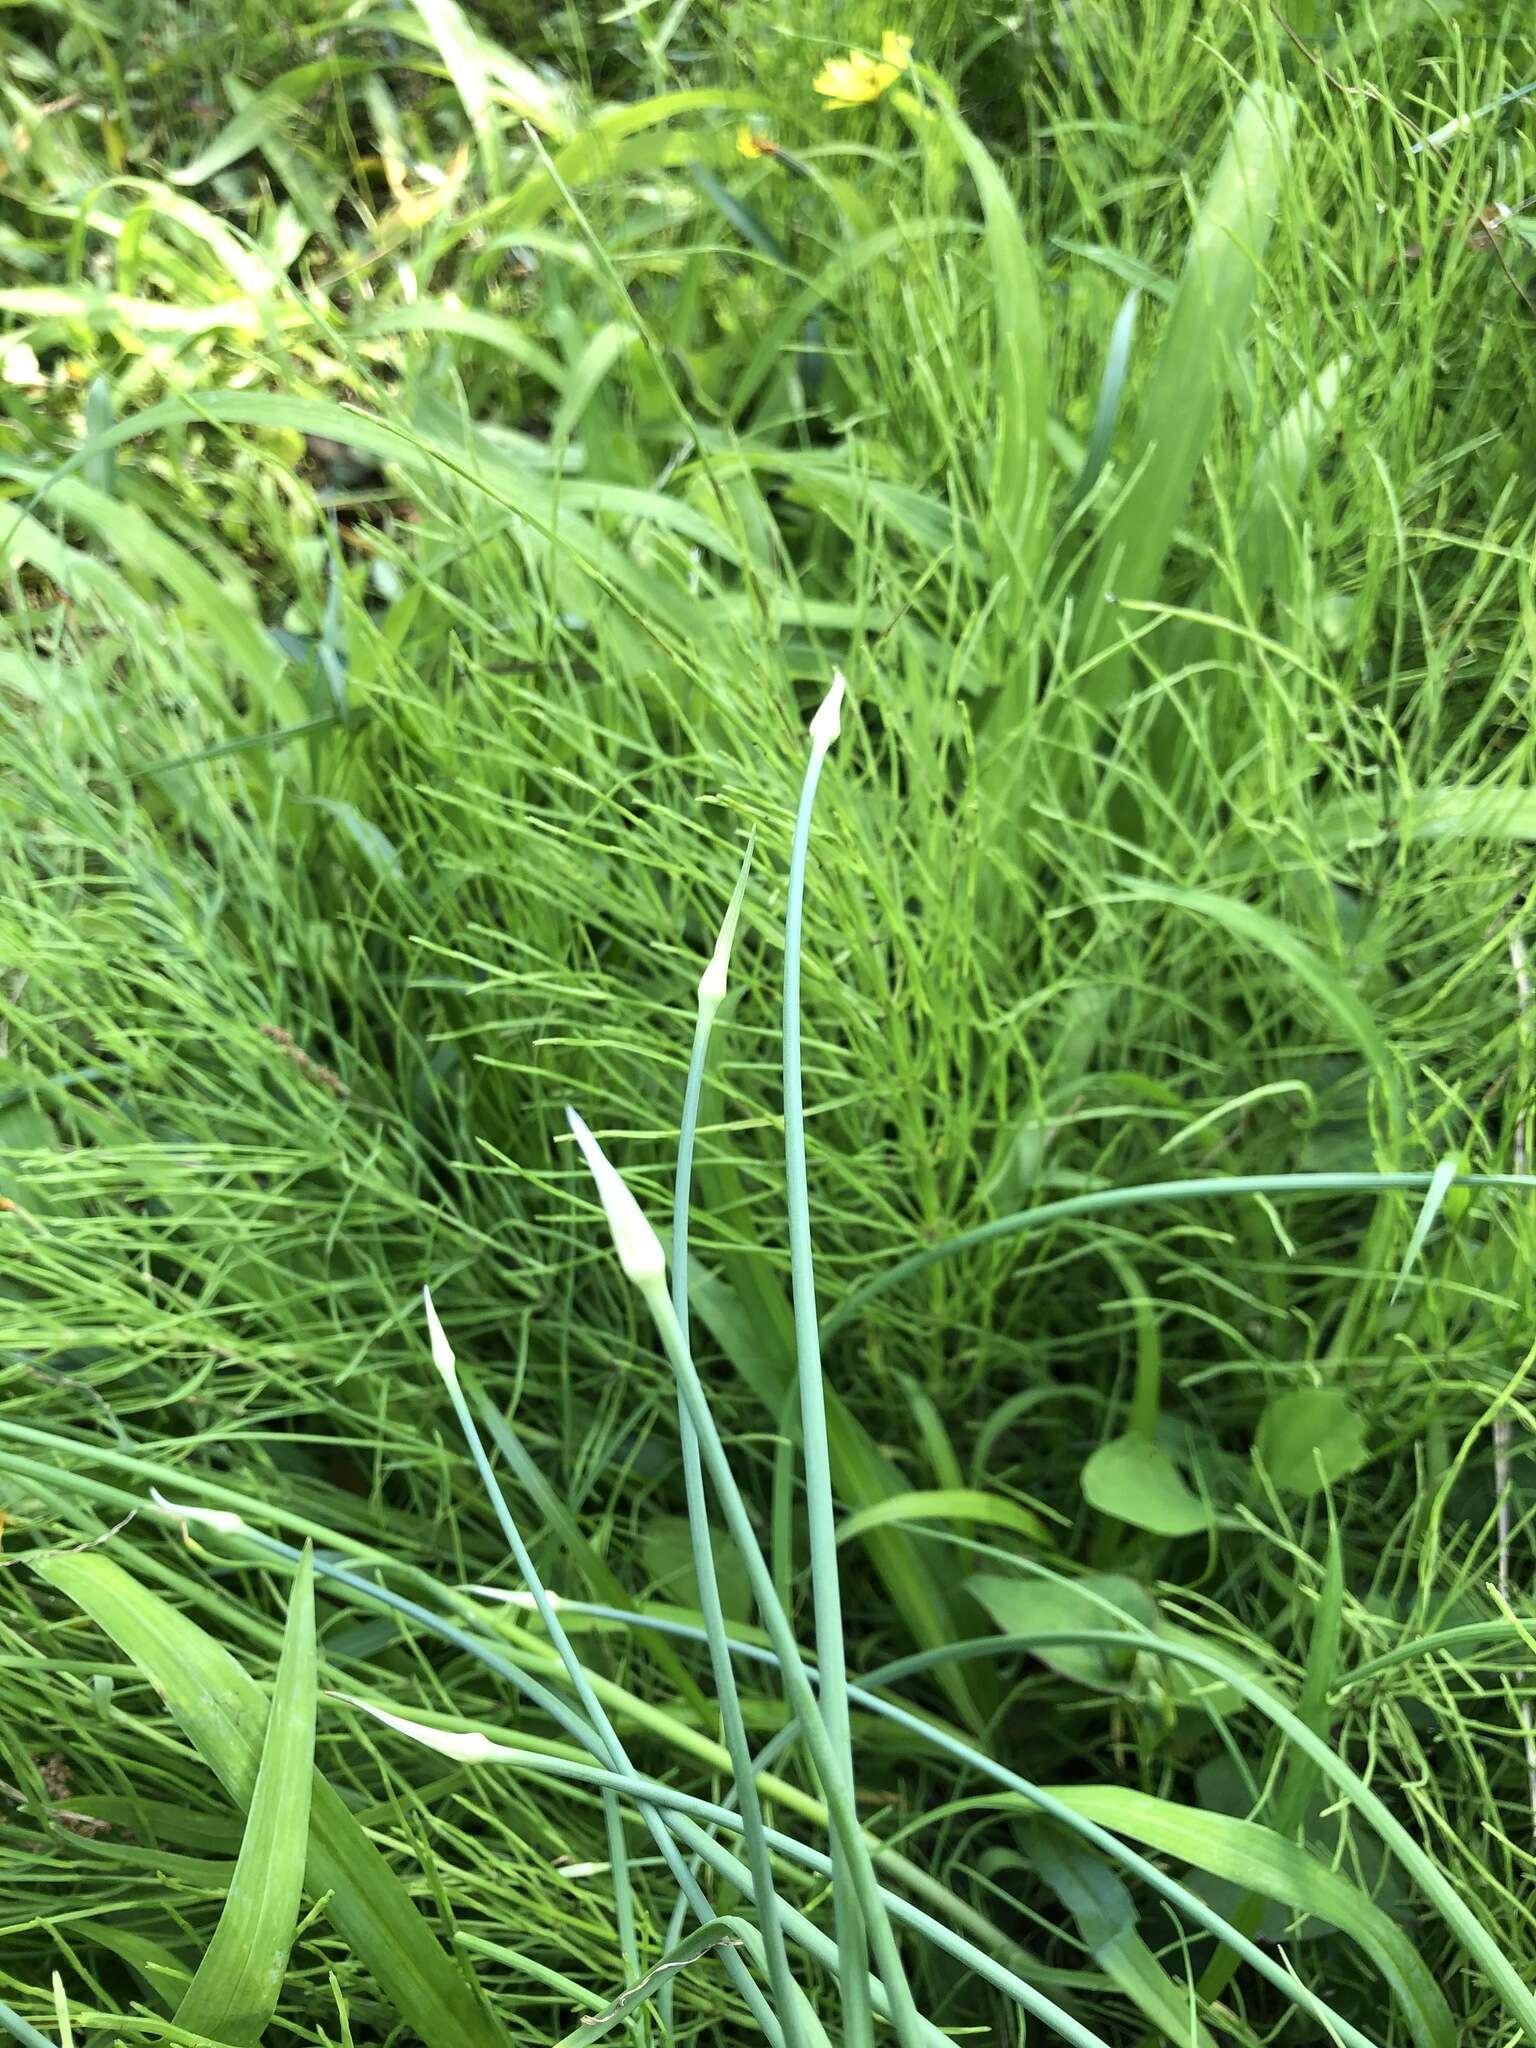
point(1136, 1482)
point(1058, 1607)
point(1308, 1439)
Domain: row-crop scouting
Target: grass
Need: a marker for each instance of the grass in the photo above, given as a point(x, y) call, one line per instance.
point(443, 473)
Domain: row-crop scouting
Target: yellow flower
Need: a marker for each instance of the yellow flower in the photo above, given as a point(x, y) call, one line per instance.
point(858, 79)
point(750, 143)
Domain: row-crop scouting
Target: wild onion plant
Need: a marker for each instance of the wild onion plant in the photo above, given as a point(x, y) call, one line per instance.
point(800, 1982)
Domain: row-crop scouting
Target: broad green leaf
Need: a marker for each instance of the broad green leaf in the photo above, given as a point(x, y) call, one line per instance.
point(667, 1547)
point(468, 323)
point(1502, 812)
point(1102, 1600)
point(946, 1504)
point(1021, 459)
point(29, 1147)
point(1205, 330)
point(1308, 1439)
point(463, 57)
point(375, 846)
point(1245, 1853)
point(100, 473)
point(1106, 1918)
point(262, 113)
point(1266, 547)
point(240, 1979)
point(1136, 1481)
point(223, 1713)
point(609, 345)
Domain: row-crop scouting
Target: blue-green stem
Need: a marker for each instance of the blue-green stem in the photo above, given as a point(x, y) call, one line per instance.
point(863, 1695)
point(821, 1511)
point(592, 1707)
point(837, 1792)
point(733, 1726)
point(22, 2030)
point(695, 1811)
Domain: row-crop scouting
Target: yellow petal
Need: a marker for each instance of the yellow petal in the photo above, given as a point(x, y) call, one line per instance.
point(851, 81)
point(896, 51)
point(749, 143)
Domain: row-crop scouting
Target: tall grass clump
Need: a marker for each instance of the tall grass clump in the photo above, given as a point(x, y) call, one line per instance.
point(1049, 1546)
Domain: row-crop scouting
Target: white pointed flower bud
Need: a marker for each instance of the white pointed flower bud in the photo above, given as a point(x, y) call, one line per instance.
point(516, 1596)
point(463, 1745)
point(223, 1519)
point(828, 721)
point(442, 1350)
point(638, 1246)
point(712, 980)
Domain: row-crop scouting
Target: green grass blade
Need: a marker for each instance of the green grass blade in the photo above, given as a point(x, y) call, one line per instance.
point(1205, 330)
point(1106, 1919)
point(1255, 1857)
point(223, 1713)
point(945, 1504)
point(1441, 1183)
point(240, 1978)
point(1106, 412)
point(727, 1932)
point(262, 113)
